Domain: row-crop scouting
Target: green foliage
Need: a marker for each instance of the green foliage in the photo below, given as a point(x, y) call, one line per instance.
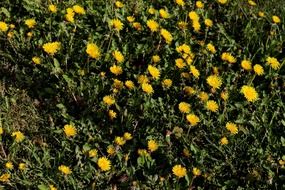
point(68, 89)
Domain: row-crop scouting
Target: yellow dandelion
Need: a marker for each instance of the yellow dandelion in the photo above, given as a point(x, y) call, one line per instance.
point(154, 72)
point(152, 25)
point(5, 177)
point(155, 58)
point(78, 9)
point(193, 119)
point(212, 105)
point(70, 130)
point(179, 171)
point(222, 1)
point(104, 164)
point(152, 145)
point(163, 13)
point(3, 26)
point(208, 22)
point(180, 2)
point(196, 172)
point(258, 69)
point(128, 136)
point(199, 4)
point(30, 23)
point(224, 141)
point(214, 81)
point(273, 62)
point(120, 141)
point(167, 83)
point(19, 136)
point(143, 79)
point(52, 47)
point(147, 88)
point(246, 65)
point(184, 107)
point(129, 84)
point(166, 35)
point(111, 150)
point(109, 100)
point(276, 19)
point(211, 48)
point(117, 24)
point(116, 70)
point(22, 166)
point(130, 19)
point(195, 72)
point(52, 8)
point(64, 169)
point(93, 50)
point(249, 93)
point(225, 95)
point(9, 165)
point(232, 127)
point(112, 114)
point(118, 56)
point(119, 4)
point(36, 60)
point(193, 16)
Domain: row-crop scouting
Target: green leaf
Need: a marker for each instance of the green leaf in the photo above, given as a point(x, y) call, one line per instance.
point(43, 187)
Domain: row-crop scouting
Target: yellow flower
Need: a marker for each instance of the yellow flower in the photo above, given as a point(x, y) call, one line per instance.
point(225, 95)
point(261, 14)
point(52, 47)
point(196, 25)
point(147, 88)
point(151, 11)
point(184, 107)
point(212, 106)
point(246, 65)
point(137, 26)
point(232, 127)
point(19, 136)
point(1, 130)
point(127, 136)
point(203, 96)
point(223, 1)
point(69, 130)
point(182, 25)
point(10, 34)
point(129, 84)
point(92, 153)
point(189, 90)
point(214, 81)
point(258, 69)
point(195, 72)
point(193, 119)
point(111, 150)
point(3, 26)
point(249, 93)
point(180, 63)
point(5, 177)
point(70, 16)
point(78, 9)
point(273, 62)
point(208, 22)
point(22, 166)
point(199, 4)
point(152, 25)
point(276, 19)
point(130, 19)
point(119, 4)
point(180, 2)
point(29, 34)
point(104, 164)
point(9, 165)
point(163, 13)
point(118, 56)
point(154, 72)
point(51, 187)
point(211, 48)
point(155, 58)
point(152, 145)
point(252, 3)
point(167, 83)
point(117, 24)
point(193, 16)
point(93, 50)
point(228, 57)
point(120, 141)
point(112, 114)
point(224, 141)
point(143, 79)
point(64, 169)
point(143, 152)
point(196, 172)
point(116, 70)
point(179, 171)
point(52, 8)
point(30, 23)
point(109, 100)
point(166, 35)
point(36, 60)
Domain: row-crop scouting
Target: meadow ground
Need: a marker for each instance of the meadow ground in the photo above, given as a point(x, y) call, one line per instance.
point(142, 94)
